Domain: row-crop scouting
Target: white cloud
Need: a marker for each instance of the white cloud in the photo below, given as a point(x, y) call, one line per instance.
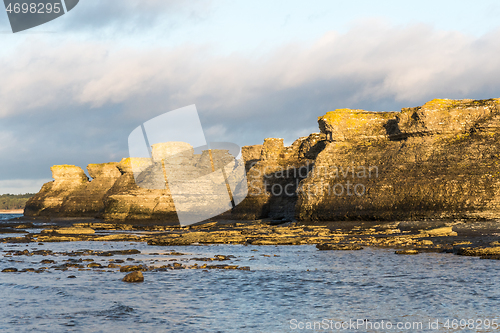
point(375, 61)
point(77, 102)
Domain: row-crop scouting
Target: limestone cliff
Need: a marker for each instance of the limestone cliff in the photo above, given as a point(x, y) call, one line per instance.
point(437, 161)
point(440, 160)
point(136, 188)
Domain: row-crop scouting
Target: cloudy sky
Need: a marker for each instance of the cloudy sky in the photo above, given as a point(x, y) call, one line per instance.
point(72, 90)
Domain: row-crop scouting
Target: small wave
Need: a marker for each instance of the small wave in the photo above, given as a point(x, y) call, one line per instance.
point(118, 311)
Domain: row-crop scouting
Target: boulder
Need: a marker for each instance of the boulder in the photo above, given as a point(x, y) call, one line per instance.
point(134, 277)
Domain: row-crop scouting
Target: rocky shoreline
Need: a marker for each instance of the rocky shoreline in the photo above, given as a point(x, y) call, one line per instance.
point(426, 179)
point(480, 239)
point(438, 161)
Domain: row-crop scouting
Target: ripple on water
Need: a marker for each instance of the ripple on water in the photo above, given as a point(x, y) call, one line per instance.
point(302, 283)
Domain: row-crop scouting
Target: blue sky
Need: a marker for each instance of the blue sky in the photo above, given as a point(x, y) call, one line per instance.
point(73, 89)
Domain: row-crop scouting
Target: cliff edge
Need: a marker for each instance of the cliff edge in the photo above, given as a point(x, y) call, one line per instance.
point(437, 161)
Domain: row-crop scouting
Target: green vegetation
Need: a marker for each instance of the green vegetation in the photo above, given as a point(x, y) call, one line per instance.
point(14, 201)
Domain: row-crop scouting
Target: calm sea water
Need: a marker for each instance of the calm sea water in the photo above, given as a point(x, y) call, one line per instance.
point(289, 289)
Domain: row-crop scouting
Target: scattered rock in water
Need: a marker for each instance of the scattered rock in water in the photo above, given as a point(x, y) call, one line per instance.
point(476, 251)
point(223, 267)
point(131, 268)
point(42, 252)
point(47, 261)
point(134, 277)
point(119, 252)
point(72, 265)
point(410, 251)
point(338, 247)
point(22, 253)
point(27, 270)
point(491, 256)
point(94, 265)
point(9, 270)
point(174, 253)
point(217, 257)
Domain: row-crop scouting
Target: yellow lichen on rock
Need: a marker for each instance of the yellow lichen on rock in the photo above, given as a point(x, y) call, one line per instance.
point(345, 124)
point(131, 164)
point(441, 103)
point(68, 172)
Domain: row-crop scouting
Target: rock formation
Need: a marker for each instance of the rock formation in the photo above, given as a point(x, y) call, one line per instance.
point(136, 188)
point(440, 161)
point(437, 161)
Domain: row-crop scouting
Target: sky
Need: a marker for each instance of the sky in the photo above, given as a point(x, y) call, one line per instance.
point(73, 89)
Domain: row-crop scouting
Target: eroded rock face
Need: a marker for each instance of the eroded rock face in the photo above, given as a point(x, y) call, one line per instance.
point(68, 174)
point(251, 154)
point(437, 161)
point(445, 116)
point(135, 188)
point(347, 124)
point(55, 195)
point(274, 178)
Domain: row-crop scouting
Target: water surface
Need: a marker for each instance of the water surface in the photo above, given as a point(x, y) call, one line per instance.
point(287, 285)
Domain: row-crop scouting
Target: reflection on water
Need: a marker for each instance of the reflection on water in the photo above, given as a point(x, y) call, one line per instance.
point(285, 283)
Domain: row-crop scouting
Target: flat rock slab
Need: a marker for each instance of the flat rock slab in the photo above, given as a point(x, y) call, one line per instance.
point(407, 252)
point(338, 247)
point(71, 231)
point(477, 228)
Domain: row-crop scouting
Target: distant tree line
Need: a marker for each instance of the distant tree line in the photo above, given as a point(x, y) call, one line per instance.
point(14, 201)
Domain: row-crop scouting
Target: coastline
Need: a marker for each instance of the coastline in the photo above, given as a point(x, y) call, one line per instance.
point(361, 165)
point(481, 239)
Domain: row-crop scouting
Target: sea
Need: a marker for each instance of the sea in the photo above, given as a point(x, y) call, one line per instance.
point(287, 289)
